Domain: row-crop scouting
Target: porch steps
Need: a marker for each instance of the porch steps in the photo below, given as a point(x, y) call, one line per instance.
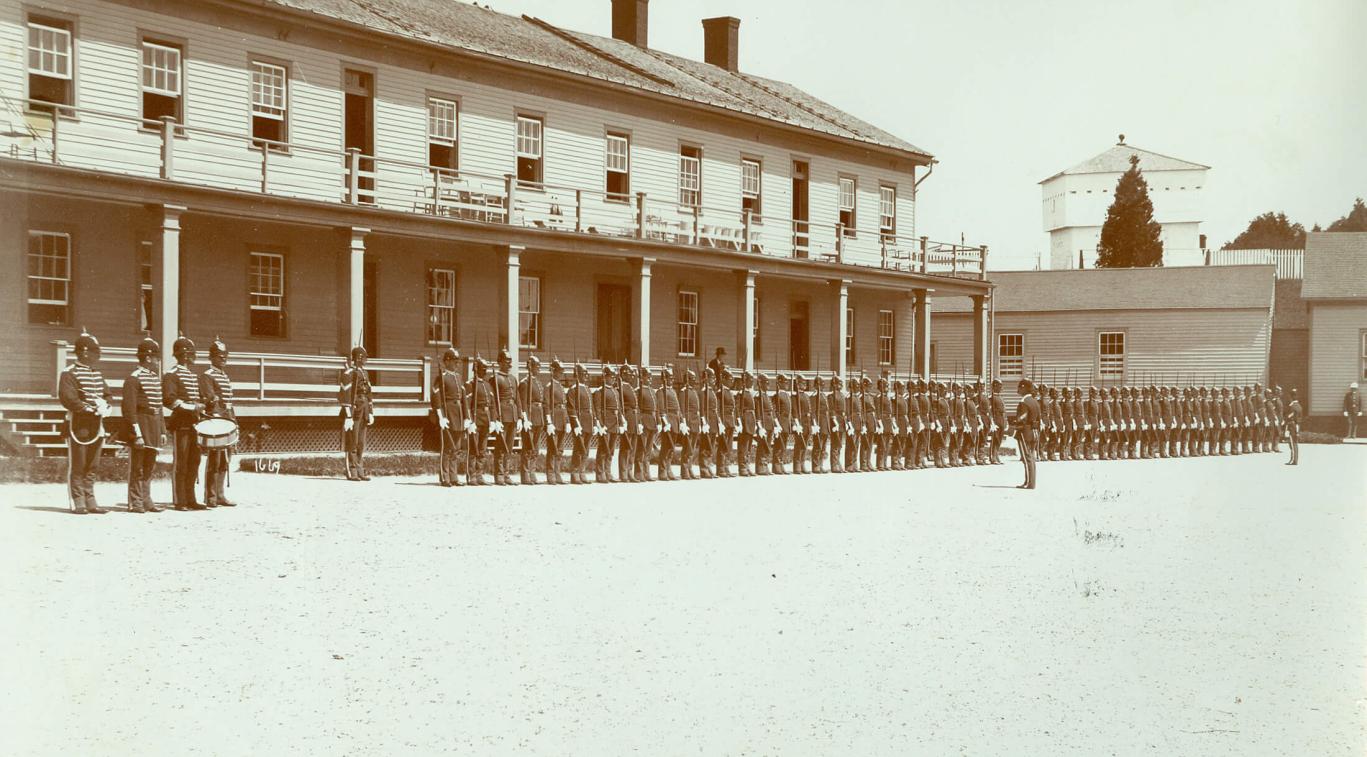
point(32, 426)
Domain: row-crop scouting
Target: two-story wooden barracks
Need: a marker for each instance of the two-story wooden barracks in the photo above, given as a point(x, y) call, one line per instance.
point(300, 176)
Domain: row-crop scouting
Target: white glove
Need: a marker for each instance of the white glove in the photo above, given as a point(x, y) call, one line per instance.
point(706, 428)
point(443, 422)
point(370, 420)
point(640, 428)
point(1087, 427)
point(683, 427)
point(622, 428)
point(953, 429)
point(895, 429)
point(762, 434)
point(849, 428)
point(816, 429)
point(721, 429)
point(348, 424)
point(777, 429)
point(666, 426)
point(1345, 413)
point(578, 431)
point(797, 427)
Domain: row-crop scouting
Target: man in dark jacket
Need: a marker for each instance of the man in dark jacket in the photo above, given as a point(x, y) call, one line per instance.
point(1352, 409)
point(1293, 428)
point(558, 429)
point(583, 423)
point(531, 400)
point(186, 394)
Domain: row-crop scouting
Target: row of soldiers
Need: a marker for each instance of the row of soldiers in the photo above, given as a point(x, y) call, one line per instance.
point(700, 423)
point(154, 405)
point(1129, 422)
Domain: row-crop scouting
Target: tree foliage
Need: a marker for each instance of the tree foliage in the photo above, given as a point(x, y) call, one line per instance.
point(1270, 231)
point(1356, 220)
point(1130, 238)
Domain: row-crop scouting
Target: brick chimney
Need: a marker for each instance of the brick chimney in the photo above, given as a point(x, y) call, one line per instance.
point(629, 21)
point(721, 41)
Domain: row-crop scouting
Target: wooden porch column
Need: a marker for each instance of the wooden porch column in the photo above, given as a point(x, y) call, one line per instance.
point(356, 288)
point(840, 302)
point(640, 311)
point(980, 339)
point(510, 325)
point(922, 341)
point(166, 278)
point(745, 321)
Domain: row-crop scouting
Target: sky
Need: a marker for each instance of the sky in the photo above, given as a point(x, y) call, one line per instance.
point(1271, 94)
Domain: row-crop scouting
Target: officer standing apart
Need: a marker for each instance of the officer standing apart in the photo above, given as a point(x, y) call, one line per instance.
point(358, 412)
point(219, 405)
point(142, 410)
point(1293, 428)
point(183, 392)
point(1027, 429)
point(85, 395)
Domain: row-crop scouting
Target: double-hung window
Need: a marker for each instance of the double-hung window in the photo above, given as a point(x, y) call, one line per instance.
point(443, 134)
point(1111, 354)
point(688, 323)
point(690, 176)
point(49, 277)
point(441, 306)
point(846, 198)
point(529, 312)
point(750, 187)
point(161, 83)
point(887, 338)
point(617, 164)
point(887, 210)
point(530, 157)
point(266, 282)
point(270, 104)
point(1363, 366)
point(849, 336)
point(51, 72)
point(146, 300)
point(1010, 355)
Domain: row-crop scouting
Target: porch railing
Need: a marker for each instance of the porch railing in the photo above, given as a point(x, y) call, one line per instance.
point(264, 379)
point(166, 150)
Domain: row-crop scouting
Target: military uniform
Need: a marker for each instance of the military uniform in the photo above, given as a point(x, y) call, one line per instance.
point(765, 423)
point(1027, 425)
point(185, 394)
point(448, 405)
point(142, 409)
point(531, 395)
point(650, 425)
point(1293, 427)
point(710, 434)
point(358, 413)
point(611, 423)
point(690, 404)
point(505, 425)
point(558, 429)
point(869, 405)
point(631, 435)
point(483, 413)
point(783, 426)
point(730, 424)
point(671, 415)
point(85, 395)
point(836, 405)
point(584, 423)
point(219, 405)
point(747, 409)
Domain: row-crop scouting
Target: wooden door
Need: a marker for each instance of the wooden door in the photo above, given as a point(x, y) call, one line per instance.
point(613, 343)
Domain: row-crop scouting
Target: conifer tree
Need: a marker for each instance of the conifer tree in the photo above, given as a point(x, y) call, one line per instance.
point(1130, 238)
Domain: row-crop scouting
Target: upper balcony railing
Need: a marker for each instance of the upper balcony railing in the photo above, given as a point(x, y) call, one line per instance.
point(84, 138)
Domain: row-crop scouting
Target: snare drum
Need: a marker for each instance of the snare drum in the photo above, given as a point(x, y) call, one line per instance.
point(216, 433)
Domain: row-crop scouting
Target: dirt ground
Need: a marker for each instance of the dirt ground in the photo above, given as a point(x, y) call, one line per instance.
point(1168, 607)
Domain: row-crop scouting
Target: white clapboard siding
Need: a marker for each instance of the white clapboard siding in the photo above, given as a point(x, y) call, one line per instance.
point(1162, 346)
point(217, 98)
point(1335, 353)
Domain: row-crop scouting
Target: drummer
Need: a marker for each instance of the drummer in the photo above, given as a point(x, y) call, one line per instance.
point(182, 392)
point(219, 405)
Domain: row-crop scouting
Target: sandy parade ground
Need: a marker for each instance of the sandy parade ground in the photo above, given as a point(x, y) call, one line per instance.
point(1165, 607)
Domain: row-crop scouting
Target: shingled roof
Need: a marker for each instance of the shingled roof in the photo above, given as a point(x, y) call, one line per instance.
point(1335, 265)
point(1116, 159)
point(1177, 288)
point(463, 26)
